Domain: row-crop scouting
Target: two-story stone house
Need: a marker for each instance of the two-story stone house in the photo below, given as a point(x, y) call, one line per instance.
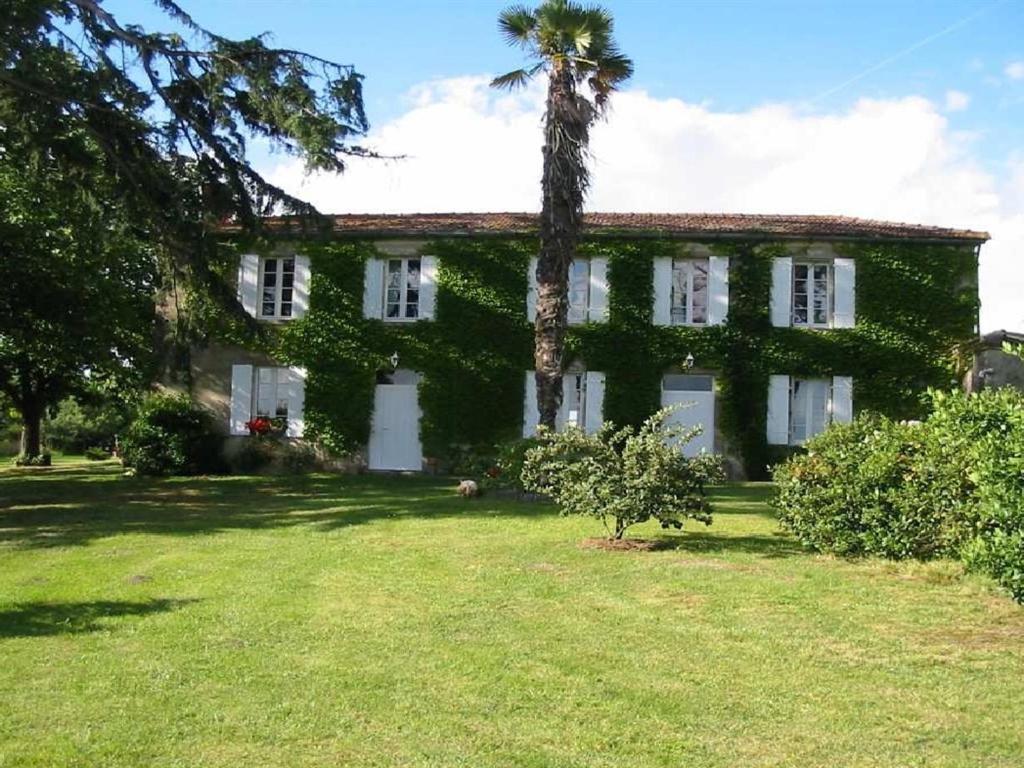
point(410, 336)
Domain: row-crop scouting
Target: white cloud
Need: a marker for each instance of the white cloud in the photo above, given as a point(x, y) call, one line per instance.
point(957, 101)
point(1015, 70)
point(468, 148)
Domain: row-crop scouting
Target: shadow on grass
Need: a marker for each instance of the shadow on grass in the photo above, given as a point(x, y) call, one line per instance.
point(774, 546)
point(78, 505)
point(40, 619)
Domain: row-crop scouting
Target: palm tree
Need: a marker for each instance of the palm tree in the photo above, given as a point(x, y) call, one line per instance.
point(573, 44)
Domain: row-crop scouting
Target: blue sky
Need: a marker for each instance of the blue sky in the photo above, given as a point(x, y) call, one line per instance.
point(731, 55)
point(906, 111)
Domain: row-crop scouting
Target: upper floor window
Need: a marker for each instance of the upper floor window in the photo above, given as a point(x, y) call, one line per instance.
point(689, 291)
point(587, 291)
point(813, 294)
point(402, 290)
point(579, 290)
point(817, 290)
point(692, 289)
point(274, 287)
point(277, 287)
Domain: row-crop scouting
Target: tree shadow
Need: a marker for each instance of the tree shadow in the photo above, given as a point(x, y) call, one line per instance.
point(777, 545)
point(41, 619)
point(74, 509)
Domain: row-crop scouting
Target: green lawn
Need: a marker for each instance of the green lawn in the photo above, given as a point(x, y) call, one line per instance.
point(355, 621)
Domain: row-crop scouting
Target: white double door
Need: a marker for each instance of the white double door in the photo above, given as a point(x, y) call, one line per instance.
point(395, 428)
point(696, 396)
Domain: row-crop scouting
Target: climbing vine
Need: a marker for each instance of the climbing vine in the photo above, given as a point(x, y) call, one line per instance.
point(914, 302)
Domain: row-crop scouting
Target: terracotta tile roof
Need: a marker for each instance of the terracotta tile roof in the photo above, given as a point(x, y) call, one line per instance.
point(683, 225)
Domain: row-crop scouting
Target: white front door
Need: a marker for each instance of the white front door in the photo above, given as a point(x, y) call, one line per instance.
point(395, 429)
point(696, 393)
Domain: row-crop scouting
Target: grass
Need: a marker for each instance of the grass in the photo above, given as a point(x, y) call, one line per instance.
point(371, 621)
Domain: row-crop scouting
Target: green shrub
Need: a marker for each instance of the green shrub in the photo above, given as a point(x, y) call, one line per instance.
point(863, 488)
point(627, 475)
point(992, 531)
point(96, 453)
point(77, 426)
point(171, 436)
point(950, 486)
point(506, 468)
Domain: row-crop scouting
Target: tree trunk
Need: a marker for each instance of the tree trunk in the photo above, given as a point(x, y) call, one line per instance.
point(31, 430)
point(563, 184)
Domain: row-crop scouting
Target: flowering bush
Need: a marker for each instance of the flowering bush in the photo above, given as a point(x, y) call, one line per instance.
point(625, 476)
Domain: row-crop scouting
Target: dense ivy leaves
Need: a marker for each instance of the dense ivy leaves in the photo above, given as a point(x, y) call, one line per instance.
point(914, 302)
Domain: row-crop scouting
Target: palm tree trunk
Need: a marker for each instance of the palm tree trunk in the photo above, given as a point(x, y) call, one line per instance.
point(565, 133)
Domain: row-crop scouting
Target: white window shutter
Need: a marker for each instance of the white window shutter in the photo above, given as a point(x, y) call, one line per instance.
point(782, 292)
point(778, 410)
point(530, 414)
point(662, 291)
point(598, 310)
point(373, 289)
point(842, 399)
point(845, 275)
point(594, 416)
point(300, 295)
point(248, 282)
point(296, 401)
point(718, 289)
point(241, 399)
point(428, 286)
point(531, 291)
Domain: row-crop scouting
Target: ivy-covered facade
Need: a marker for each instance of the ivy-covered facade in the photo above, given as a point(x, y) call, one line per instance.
point(780, 323)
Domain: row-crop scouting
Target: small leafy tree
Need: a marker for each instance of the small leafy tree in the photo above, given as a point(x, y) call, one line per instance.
point(624, 476)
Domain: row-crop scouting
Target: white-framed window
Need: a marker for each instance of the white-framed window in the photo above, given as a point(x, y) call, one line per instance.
point(582, 402)
point(402, 289)
point(276, 287)
point(813, 294)
point(579, 290)
point(574, 400)
point(587, 291)
point(810, 408)
point(271, 393)
point(689, 291)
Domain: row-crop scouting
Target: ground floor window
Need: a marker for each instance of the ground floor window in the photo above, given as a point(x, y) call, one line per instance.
point(574, 400)
point(810, 408)
point(271, 394)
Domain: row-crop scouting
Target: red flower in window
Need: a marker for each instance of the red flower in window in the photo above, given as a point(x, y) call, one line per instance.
point(259, 426)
